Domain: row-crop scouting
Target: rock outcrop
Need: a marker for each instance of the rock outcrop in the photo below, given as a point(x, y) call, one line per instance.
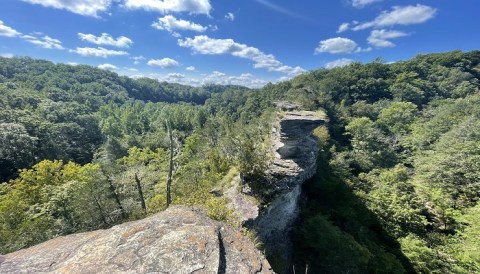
point(178, 240)
point(295, 161)
point(295, 155)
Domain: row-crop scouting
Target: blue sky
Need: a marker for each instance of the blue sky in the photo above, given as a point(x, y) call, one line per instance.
point(248, 42)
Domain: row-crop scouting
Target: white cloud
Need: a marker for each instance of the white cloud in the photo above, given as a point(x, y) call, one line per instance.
point(343, 27)
point(244, 79)
point(216, 77)
point(163, 63)
point(339, 63)
point(72, 63)
point(36, 38)
point(190, 68)
point(230, 16)
point(82, 7)
point(8, 31)
point(170, 23)
point(107, 67)
point(106, 40)
point(137, 59)
point(7, 55)
point(46, 41)
point(98, 52)
point(337, 45)
point(380, 38)
point(407, 15)
point(176, 76)
point(165, 6)
point(205, 45)
point(363, 3)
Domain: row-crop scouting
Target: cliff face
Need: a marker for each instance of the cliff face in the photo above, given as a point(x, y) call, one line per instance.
point(295, 162)
point(295, 155)
point(178, 240)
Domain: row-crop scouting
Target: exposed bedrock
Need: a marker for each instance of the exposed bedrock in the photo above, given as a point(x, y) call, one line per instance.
point(178, 240)
point(295, 157)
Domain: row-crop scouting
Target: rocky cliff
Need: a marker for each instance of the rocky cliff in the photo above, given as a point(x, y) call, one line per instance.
point(295, 153)
point(178, 240)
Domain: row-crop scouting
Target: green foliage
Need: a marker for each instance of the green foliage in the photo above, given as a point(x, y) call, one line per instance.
point(392, 198)
point(398, 117)
point(370, 146)
point(399, 175)
point(217, 209)
point(397, 185)
point(52, 199)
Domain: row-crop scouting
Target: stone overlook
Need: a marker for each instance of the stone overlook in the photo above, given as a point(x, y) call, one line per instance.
point(179, 240)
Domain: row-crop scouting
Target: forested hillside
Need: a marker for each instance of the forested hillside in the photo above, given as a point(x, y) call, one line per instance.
point(397, 188)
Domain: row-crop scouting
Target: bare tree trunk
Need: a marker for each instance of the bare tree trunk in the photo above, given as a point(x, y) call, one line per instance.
point(170, 168)
point(115, 196)
point(100, 210)
point(140, 192)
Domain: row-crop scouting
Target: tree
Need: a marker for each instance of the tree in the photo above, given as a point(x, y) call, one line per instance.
point(16, 148)
point(140, 173)
point(170, 164)
point(398, 117)
point(370, 146)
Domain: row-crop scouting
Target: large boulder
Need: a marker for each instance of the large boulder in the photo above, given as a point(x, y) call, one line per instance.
point(178, 240)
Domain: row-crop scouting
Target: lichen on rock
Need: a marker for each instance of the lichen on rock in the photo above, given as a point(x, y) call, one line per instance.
point(178, 240)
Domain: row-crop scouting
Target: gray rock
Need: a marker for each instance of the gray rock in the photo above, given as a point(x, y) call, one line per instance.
point(295, 161)
point(178, 240)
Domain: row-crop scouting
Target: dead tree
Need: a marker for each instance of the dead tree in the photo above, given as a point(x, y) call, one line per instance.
point(140, 192)
point(170, 166)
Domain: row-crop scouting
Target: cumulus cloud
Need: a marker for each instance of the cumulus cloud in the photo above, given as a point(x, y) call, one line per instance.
point(166, 6)
point(244, 79)
point(45, 41)
point(339, 63)
point(337, 45)
point(215, 77)
point(230, 16)
point(363, 3)
point(406, 15)
point(82, 7)
point(163, 63)
point(343, 27)
point(380, 38)
point(190, 68)
point(205, 45)
point(171, 24)
point(106, 40)
point(107, 67)
point(98, 52)
point(8, 31)
point(137, 59)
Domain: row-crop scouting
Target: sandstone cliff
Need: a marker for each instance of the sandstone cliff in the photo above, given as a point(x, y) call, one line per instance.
point(295, 154)
point(178, 240)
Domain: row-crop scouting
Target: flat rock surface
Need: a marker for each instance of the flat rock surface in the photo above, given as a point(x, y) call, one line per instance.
point(178, 240)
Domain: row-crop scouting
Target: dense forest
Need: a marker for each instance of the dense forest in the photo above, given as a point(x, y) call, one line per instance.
point(396, 191)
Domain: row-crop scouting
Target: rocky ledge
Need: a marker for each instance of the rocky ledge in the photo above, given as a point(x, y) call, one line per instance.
point(295, 160)
point(178, 240)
